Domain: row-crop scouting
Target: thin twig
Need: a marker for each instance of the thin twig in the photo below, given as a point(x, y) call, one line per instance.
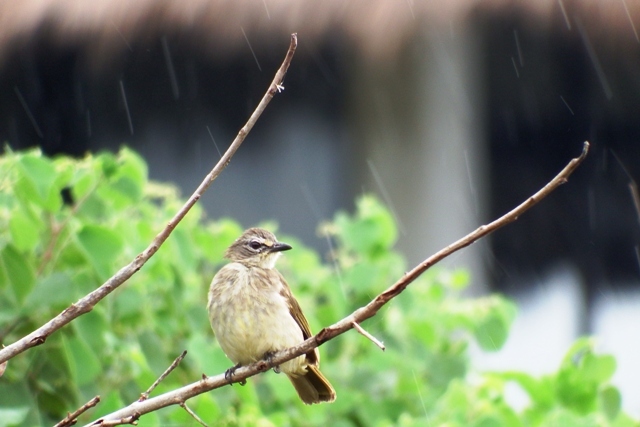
point(242, 373)
point(633, 186)
point(3, 366)
point(193, 414)
point(370, 337)
point(57, 229)
point(72, 418)
point(129, 419)
point(86, 303)
point(174, 365)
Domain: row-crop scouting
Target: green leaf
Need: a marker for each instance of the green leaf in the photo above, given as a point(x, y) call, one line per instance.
point(492, 330)
point(610, 402)
point(54, 291)
point(207, 354)
point(102, 246)
point(183, 249)
point(129, 188)
point(83, 362)
point(19, 272)
point(598, 368)
point(488, 421)
point(128, 305)
point(92, 328)
point(37, 181)
point(107, 164)
point(153, 348)
point(492, 333)
point(581, 375)
point(10, 417)
point(83, 184)
point(564, 418)
point(127, 177)
point(25, 232)
point(460, 279)
point(540, 391)
point(132, 166)
point(370, 231)
point(216, 237)
point(624, 420)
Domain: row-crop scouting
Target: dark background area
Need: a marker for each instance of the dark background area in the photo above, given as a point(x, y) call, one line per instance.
point(548, 86)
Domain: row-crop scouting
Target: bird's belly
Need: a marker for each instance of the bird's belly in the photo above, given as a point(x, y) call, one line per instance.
point(247, 327)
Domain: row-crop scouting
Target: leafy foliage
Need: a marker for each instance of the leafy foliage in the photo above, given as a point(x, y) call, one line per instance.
point(52, 253)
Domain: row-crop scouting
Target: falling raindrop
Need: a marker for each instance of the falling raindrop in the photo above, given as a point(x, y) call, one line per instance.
point(626, 9)
point(214, 141)
point(472, 188)
point(515, 66)
point(315, 209)
point(520, 57)
point(410, 4)
point(564, 13)
point(28, 111)
point(267, 9)
point(172, 72)
point(126, 105)
point(594, 59)
point(122, 36)
point(591, 203)
point(250, 48)
point(567, 105)
point(88, 120)
point(385, 195)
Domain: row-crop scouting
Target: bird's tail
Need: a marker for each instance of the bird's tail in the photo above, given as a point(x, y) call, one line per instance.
point(313, 387)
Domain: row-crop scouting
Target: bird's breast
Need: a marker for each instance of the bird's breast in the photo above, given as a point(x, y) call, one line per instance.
point(248, 314)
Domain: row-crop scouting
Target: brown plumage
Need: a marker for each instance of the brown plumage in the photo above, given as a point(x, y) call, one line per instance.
point(253, 313)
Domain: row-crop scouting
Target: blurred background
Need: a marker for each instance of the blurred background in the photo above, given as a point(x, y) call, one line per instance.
point(452, 112)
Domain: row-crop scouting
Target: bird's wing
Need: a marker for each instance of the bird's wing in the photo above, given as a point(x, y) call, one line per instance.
point(313, 357)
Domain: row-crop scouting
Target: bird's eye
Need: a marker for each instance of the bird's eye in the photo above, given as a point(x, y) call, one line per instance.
point(255, 245)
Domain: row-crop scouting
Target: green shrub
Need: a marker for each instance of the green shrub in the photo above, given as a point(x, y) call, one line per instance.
point(52, 253)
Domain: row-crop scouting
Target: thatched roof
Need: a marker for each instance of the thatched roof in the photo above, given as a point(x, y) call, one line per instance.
point(375, 27)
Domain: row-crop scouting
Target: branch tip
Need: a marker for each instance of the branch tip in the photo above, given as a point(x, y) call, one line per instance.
point(71, 418)
point(193, 414)
point(367, 335)
point(144, 396)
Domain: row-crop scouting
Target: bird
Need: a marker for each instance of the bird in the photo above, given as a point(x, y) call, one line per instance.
point(254, 314)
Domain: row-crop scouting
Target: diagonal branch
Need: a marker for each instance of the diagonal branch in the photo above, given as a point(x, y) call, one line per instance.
point(86, 303)
point(72, 418)
point(181, 395)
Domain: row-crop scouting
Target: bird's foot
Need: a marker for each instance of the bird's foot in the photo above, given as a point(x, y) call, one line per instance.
point(267, 358)
point(228, 375)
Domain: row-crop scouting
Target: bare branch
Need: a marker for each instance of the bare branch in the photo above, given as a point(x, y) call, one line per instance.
point(72, 418)
point(130, 419)
point(174, 365)
point(633, 186)
point(193, 414)
point(369, 336)
point(178, 396)
point(86, 303)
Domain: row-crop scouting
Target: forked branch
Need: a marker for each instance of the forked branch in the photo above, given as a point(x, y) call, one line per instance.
point(86, 303)
point(181, 395)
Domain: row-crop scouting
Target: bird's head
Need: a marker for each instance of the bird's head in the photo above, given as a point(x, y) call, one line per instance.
point(256, 246)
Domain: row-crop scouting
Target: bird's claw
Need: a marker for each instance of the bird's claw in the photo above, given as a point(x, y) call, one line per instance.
point(267, 358)
point(228, 375)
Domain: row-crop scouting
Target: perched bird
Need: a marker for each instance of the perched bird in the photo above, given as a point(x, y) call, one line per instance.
point(254, 314)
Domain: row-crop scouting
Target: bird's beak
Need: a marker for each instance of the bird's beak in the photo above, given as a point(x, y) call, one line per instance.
point(279, 247)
